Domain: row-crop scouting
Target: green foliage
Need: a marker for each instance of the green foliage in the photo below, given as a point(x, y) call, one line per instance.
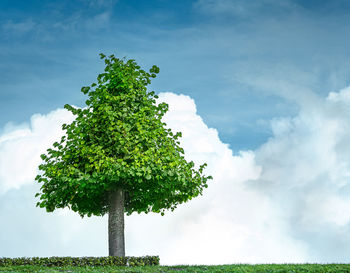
point(81, 261)
point(118, 141)
point(236, 268)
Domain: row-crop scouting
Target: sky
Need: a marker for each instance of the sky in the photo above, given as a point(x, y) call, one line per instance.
point(259, 89)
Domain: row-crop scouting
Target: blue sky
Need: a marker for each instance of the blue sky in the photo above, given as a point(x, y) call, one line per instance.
point(269, 77)
point(50, 49)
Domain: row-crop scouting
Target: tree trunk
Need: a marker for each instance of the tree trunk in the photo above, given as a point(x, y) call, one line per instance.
point(116, 241)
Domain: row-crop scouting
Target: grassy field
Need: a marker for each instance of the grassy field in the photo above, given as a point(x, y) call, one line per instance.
point(268, 268)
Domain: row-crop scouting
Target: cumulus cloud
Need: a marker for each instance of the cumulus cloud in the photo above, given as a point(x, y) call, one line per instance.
point(27, 230)
point(22, 145)
point(229, 223)
point(288, 201)
point(306, 171)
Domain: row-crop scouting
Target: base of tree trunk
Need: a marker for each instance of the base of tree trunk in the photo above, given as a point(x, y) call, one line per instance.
point(116, 240)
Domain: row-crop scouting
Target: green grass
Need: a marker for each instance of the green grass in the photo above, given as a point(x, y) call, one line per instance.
point(241, 268)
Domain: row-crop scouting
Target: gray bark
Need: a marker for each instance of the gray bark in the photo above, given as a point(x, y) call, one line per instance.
point(116, 241)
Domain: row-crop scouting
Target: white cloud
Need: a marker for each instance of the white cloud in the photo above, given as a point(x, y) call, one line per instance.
point(341, 96)
point(21, 147)
point(306, 171)
point(229, 223)
point(277, 204)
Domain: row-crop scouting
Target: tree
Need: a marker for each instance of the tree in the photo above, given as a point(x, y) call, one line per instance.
point(117, 156)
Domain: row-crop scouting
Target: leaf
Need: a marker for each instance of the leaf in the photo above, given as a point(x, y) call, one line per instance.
point(85, 89)
point(154, 69)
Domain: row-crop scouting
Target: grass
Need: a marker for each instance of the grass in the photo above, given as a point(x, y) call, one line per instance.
point(239, 268)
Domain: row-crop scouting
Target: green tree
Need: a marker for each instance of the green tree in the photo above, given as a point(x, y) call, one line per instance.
point(117, 156)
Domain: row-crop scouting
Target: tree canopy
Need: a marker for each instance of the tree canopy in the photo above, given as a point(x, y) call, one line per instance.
point(118, 141)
